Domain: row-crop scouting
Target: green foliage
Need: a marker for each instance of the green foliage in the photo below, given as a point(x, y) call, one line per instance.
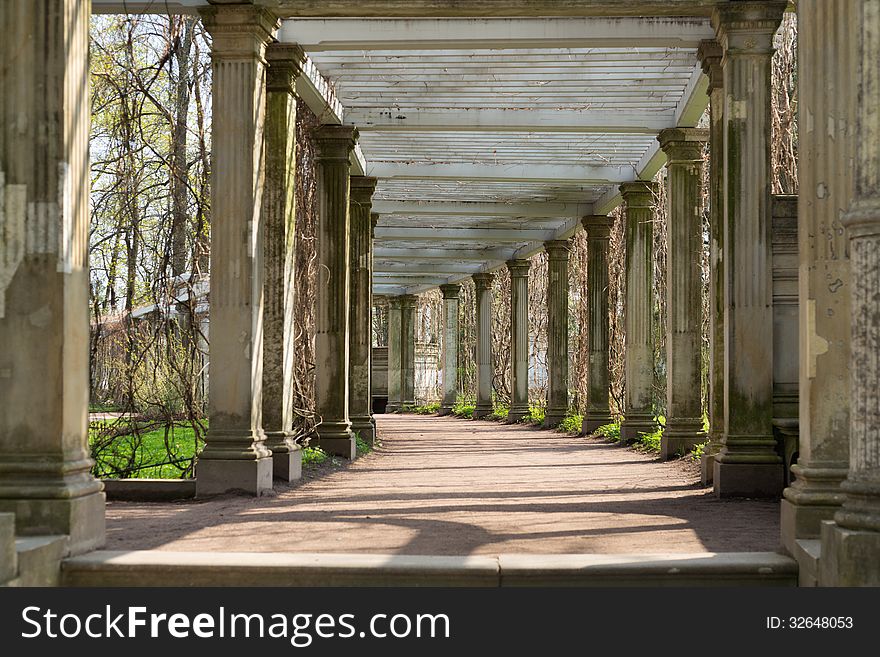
point(312, 456)
point(424, 409)
point(650, 442)
point(610, 431)
point(499, 413)
point(363, 447)
point(535, 415)
point(572, 423)
point(463, 409)
point(127, 447)
point(698, 451)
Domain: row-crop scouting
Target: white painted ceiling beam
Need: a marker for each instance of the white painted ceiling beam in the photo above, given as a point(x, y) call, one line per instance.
point(463, 234)
point(550, 210)
point(442, 269)
point(563, 233)
point(446, 34)
point(440, 255)
point(506, 120)
point(503, 172)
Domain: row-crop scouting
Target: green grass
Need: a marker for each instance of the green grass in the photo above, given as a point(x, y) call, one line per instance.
point(423, 409)
point(161, 453)
point(571, 424)
point(103, 408)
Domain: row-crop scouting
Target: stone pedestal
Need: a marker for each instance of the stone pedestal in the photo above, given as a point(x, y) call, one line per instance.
point(598, 412)
point(639, 406)
point(519, 339)
point(748, 464)
point(557, 332)
point(360, 410)
point(394, 355)
point(408, 306)
point(828, 69)
point(45, 463)
point(235, 457)
point(450, 347)
point(851, 543)
point(334, 144)
point(684, 404)
point(279, 221)
point(709, 54)
point(485, 368)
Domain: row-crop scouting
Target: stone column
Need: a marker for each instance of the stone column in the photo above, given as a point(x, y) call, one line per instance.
point(851, 543)
point(394, 355)
point(557, 332)
point(519, 339)
point(684, 403)
point(374, 220)
point(334, 144)
point(235, 456)
point(748, 464)
point(709, 54)
point(638, 404)
point(279, 220)
point(828, 52)
point(598, 412)
point(45, 477)
point(408, 305)
point(485, 367)
point(361, 311)
point(450, 347)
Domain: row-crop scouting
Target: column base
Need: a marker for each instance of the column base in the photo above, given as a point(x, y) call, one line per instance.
point(287, 466)
point(849, 557)
point(680, 437)
point(707, 469)
point(748, 479)
point(801, 521)
point(517, 413)
point(553, 417)
point(247, 476)
point(444, 410)
point(344, 447)
point(483, 411)
point(392, 407)
point(80, 518)
point(363, 427)
point(634, 425)
point(593, 420)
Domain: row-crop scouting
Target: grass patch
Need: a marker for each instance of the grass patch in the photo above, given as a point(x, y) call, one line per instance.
point(571, 424)
point(121, 448)
point(424, 409)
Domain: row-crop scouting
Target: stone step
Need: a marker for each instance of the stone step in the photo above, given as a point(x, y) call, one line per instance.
point(39, 560)
point(8, 556)
point(166, 568)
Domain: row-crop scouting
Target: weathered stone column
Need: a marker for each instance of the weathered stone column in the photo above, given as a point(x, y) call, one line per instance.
point(639, 407)
point(361, 312)
point(748, 464)
point(279, 220)
point(485, 368)
point(408, 305)
point(45, 463)
point(684, 404)
point(598, 412)
point(851, 543)
point(557, 332)
point(828, 52)
point(394, 355)
point(450, 347)
point(334, 144)
point(519, 339)
point(709, 53)
point(235, 456)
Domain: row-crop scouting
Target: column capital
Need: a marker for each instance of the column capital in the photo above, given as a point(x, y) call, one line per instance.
point(598, 226)
point(483, 280)
point(380, 300)
point(239, 31)
point(450, 290)
point(335, 142)
point(748, 27)
point(362, 188)
point(639, 193)
point(285, 62)
point(557, 249)
point(394, 302)
point(519, 268)
point(683, 144)
point(709, 52)
point(408, 301)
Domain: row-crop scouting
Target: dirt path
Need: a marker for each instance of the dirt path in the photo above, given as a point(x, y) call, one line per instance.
point(450, 486)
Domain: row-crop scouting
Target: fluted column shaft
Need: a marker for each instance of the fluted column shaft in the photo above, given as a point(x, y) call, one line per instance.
point(519, 339)
point(408, 307)
point(485, 367)
point(598, 412)
point(710, 54)
point(394, 355)
point(279, 220)
point(851, 544)
point(638, 310)
point(827, 84)
point(748, 464)
point(235, 456)
point(450, 347)
point(684, 407)
point(557, 332)
point(334, 144)
point(45, 464)
point(361, 314)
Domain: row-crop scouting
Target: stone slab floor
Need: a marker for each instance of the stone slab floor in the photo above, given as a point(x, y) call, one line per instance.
point(455, 487)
